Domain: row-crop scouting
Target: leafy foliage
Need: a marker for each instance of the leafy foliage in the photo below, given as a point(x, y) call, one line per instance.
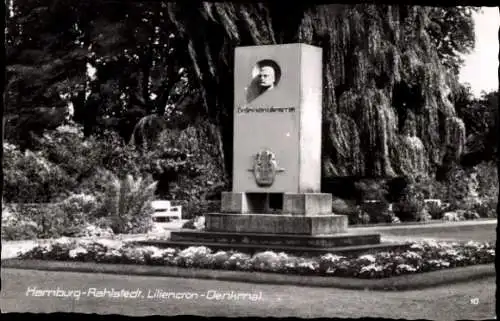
point(126, 203)
point(480, 117)
point(411, 205)
point(452, 32)
point(138, 67)
point(372, 190)
point(29, 177)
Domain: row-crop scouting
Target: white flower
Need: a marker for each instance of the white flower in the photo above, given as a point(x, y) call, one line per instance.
point(46, 248)
point(439, 263)
point(451, 216)
point(444, 263)
point(431, 243)
point(384, 255)
point(331, 257)
point(283, 256)
point(309, 264)
point(268, 256)
point(368, 257)
point(474, 244)
point(239, 257)
point(412, 255)
point(491, 252)
point(9, 147)
point(157, 253)
point(451, 252)
point(199, 223)
point(406, 267)
point(372, 267)
point(63, 241)
point(113, 252)
point(76, 251)
point(70, 130)
point(170, 250)
point(220, 254)
point(195, 251)
point(417, 246)
point(85, 242)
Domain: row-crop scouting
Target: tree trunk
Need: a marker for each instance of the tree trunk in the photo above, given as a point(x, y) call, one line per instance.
point(370, 55)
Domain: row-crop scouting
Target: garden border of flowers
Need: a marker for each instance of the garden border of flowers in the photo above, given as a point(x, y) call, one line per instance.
point(405, 282)
point(427, 263)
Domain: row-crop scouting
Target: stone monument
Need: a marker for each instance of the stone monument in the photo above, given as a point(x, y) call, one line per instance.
point(277, 151)
point(277, 144)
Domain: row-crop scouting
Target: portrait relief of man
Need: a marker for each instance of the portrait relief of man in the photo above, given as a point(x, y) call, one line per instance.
point(266, 75)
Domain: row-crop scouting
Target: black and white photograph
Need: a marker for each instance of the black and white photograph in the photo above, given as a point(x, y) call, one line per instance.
point(253, 159)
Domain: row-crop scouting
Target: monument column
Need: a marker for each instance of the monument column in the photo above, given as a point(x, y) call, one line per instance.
point(277, 133)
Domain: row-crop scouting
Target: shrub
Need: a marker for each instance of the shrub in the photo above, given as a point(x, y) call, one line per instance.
point(435, 210)
point(19, 231)
point(76, 155)
point(429, 187)
point(378, 211)
point(79, 208)
point(30, 178)
point(487, 208)
point(79, 203)
point(195, 223)
point(41, 221)
point(359, 217)
point(195, 207)
point(409, 208)
point(121, 158)
point(474, 189)
point(186, 164)
point(423, 215)
point(344, 207)
point(372, 190)
point(126, 203)
point(14, 228)
point(487, 189)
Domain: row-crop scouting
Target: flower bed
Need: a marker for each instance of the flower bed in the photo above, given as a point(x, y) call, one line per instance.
point(423, 256)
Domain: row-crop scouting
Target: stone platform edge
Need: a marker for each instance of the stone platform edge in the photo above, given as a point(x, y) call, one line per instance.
point(398, 283)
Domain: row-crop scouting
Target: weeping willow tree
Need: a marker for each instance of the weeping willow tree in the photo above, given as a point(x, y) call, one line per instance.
point(386, 97)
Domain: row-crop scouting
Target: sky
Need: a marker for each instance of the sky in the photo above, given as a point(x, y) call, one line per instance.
point(481, 66)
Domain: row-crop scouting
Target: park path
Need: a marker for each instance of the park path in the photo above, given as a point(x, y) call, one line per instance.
point(469, 301)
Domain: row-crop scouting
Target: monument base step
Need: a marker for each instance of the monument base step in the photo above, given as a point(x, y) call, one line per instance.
point(335, 240)
point(323, 224)
point(294, 250)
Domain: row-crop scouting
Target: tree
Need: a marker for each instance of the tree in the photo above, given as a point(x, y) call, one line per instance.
point(480, 116)
point(50, 48)
point(371, 54)
point(452, 32)
point(45, 63)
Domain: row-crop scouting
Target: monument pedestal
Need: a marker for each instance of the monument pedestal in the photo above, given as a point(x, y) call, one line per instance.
point(293, 203)
point(276, 223)
point(306, 226)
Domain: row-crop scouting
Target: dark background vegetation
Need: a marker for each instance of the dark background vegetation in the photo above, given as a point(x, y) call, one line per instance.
point(160, 103)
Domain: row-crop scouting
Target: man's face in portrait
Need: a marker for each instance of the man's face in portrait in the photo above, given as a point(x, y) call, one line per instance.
point(266, 77)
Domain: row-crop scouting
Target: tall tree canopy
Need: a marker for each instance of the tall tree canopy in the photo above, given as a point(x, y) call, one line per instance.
point(51, 46)
point(388, 71)
point(387, 108)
